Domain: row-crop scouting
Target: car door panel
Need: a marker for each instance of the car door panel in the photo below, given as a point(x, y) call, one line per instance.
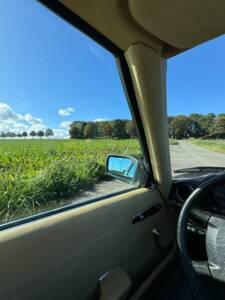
point(63, 256)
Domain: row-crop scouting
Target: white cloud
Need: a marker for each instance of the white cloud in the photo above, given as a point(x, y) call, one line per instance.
point(7, 113)
point(33, 121)
point(37, 127)
point(60, 133)
point(65, 124)
point(11, 121)
point(21, 126)
point(16, 127)
point(14, 122)
point(99, 120)
point(64, 112)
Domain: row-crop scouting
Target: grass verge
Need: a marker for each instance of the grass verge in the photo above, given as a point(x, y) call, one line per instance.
point(173, 142)
point(214, 145)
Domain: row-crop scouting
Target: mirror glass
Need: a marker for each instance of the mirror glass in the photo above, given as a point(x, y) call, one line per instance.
point(122, 166)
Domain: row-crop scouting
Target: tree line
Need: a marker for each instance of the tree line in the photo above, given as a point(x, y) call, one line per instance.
point(197, 126)
point(118, 129)
point(48, 133)
point(180, 127)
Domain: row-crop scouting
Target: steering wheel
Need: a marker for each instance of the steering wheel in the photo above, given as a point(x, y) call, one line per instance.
point(214, 267)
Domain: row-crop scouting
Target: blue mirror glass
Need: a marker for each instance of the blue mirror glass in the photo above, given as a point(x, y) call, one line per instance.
point(124, 167)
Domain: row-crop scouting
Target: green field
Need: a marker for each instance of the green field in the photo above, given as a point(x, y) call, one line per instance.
point(35, 173)
point(174, 142)
point(215, 145)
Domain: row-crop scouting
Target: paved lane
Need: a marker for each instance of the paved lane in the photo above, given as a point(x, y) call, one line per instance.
point(102, 189)
point(186, 155)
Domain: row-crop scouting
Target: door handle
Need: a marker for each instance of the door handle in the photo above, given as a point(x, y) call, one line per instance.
point(147, 213)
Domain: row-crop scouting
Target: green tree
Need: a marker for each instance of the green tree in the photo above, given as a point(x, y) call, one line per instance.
point(219, 127)
point(74, 131)
point(77, 133)
point(11, 134)
point(130, 129)
point(209, 123)
point(40, 133)
point(3, 135)
point(49, 132)
point(105, 129)
point(180, 127)
point(196, 123)
point(24, 134)
point(206, 123)
point(33, 133)
point(118, 127)
point(89, 131)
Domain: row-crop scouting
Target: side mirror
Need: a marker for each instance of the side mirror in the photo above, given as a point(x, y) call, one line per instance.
point(126, 168)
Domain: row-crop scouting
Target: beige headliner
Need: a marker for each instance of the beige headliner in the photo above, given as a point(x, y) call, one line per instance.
point(181, 23)
point(168, 27)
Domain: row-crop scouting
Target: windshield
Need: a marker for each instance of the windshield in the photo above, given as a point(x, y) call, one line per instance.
point(196, 109)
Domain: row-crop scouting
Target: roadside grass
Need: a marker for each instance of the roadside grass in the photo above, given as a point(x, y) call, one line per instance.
point(173, 142)
point(215, 145)
point(35, 173)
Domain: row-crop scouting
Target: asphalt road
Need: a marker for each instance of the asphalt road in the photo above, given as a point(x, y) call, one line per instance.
point(186, 155)
point(102, 189)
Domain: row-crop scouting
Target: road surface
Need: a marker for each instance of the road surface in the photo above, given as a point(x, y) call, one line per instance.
point(186, 155)
point(102, 189)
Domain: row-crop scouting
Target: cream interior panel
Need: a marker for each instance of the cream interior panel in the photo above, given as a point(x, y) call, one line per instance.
point(148, 72)
point(174, 25)
point(112, 18)
point(180, 23)
point(62, 256)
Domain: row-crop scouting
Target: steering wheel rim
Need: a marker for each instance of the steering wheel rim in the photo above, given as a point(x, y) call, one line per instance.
point(214, 231)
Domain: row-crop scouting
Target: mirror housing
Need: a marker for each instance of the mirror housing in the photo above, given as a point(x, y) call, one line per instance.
point(126, 168)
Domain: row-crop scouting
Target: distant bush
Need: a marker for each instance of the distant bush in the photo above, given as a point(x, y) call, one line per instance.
point(173, 142)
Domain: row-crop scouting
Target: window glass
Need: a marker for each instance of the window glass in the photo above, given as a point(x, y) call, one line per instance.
point(62, 112)
point(196, 108)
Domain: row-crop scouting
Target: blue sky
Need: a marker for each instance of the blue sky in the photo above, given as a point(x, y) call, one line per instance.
point(196, 79)
point(51, 74)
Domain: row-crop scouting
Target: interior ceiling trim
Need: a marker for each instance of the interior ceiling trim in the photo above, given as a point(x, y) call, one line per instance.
point(180, 23)
point(112, 19)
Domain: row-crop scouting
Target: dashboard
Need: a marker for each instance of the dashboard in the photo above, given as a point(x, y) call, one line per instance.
point(213, 200)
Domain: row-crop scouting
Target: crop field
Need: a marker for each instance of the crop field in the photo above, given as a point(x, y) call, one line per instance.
point(34, 173)
point(37, 174)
